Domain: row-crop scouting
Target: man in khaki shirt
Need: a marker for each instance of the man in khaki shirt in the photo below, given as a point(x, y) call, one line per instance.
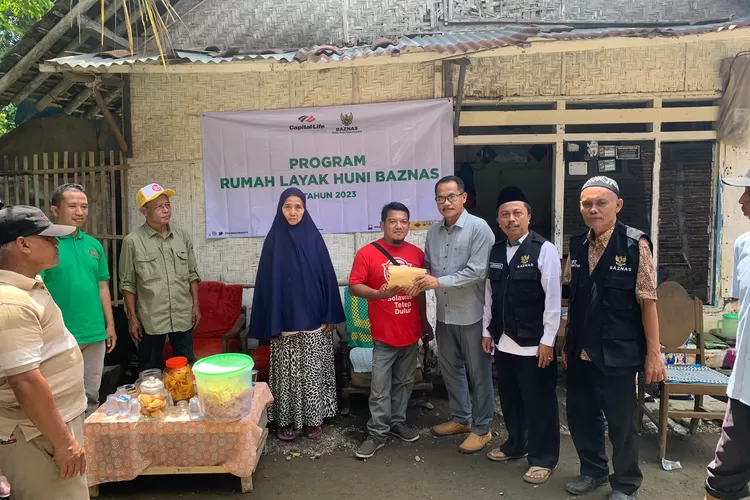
point(42, 396)
point(159, 280)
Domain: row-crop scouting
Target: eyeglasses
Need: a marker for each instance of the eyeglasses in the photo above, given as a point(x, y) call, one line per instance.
point(450, 197)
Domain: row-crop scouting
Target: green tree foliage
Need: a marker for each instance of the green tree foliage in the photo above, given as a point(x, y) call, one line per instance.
point(16, 17)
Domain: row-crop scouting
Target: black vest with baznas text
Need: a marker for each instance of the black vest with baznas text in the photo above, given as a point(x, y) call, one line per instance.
point(604, 317)
point(517, 293)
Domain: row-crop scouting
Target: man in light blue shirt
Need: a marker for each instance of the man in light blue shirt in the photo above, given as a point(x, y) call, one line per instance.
point(457, 254)
point(729, 473)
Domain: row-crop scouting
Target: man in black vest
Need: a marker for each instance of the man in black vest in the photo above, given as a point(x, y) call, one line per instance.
point(613, 331)
point(521, 317)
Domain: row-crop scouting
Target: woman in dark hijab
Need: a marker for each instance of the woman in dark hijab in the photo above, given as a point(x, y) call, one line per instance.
point(295, 306)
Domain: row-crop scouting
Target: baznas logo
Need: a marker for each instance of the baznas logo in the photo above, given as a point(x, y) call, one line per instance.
point(346, 125)
point(347, 119)
point(306, 119)
point(620, 264)
point(524, 259)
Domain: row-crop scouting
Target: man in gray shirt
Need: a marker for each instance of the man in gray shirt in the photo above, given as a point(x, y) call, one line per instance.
point(457, 253)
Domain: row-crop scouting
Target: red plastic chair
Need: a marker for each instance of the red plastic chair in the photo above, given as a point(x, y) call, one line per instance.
point(222, 327)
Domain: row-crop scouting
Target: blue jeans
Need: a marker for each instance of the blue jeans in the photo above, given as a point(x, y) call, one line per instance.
point(151, 347)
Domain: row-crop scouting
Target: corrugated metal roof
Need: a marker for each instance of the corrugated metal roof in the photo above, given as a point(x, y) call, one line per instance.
point(563, 33)
point(106, 59)
point(452, 43)
point(449, 44)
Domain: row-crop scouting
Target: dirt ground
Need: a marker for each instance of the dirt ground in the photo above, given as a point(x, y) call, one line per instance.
point(430, 469)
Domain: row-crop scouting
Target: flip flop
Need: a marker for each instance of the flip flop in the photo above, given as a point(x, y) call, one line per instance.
point(537, 480)
point(314, 432)
point(498, 456)
point(286, 434)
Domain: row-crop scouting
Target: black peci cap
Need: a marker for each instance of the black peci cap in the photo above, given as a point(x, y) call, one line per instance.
point(20, 220)
point(511, 193)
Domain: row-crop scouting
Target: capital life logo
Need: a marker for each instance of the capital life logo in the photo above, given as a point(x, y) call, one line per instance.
point(307, 122)
point(347, 125)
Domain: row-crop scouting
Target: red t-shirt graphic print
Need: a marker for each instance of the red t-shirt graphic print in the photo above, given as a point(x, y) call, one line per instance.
point(393, 321)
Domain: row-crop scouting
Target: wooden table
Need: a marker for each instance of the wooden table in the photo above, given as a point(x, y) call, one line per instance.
point(118, 450)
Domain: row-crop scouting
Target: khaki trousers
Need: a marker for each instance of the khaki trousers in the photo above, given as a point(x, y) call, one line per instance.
point(93, 366)
point(33, 473)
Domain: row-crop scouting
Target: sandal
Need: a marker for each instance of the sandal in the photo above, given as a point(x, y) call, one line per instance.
point(286, 434)
point(314, 432)
point(537, 480)
point(498, 456)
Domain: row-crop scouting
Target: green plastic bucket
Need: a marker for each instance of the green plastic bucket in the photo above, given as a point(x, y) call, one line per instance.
point(225, 386)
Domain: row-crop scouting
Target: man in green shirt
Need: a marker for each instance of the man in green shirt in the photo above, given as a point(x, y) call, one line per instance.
point(159, 280)
point(79, 285)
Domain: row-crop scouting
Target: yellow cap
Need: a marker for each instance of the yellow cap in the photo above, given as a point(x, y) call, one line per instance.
point(150, 193)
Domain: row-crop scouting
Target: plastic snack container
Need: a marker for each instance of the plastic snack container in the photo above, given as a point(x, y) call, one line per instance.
point(225, 386)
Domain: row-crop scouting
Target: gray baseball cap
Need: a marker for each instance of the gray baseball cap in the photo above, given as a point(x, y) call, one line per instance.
point(743, 181)
point(20, 220)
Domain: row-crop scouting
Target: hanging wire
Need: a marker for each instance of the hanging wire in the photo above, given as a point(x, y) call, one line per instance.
point(729, 73)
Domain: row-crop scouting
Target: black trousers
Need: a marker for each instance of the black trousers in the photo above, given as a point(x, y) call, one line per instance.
point(729, 473)
point(592, 396)
point(150, 349)
point(529, 402)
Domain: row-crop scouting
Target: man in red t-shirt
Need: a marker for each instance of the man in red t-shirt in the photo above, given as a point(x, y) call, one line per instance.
point(397, 321)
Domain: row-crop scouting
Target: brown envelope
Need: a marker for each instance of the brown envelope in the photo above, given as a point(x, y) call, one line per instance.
point(403, 276)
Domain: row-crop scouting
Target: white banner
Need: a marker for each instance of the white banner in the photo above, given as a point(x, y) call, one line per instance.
point(348, 160)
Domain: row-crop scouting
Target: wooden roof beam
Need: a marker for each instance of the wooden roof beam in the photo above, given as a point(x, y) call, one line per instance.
point(110, 120)
point(74, 44)
point(46, 43)
point(78, 101)
point(96, 27)
point(122, 29)
point(61, 87)
point(70, 79)
point(90, 113)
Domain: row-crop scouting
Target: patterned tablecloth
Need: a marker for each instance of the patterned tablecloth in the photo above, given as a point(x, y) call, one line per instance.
point(119, 450)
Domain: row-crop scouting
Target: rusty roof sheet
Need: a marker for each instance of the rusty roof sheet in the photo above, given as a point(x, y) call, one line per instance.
point(454, 43)
point(448, 44)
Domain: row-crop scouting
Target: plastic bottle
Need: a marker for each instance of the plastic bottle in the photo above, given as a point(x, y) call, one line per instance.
point(195, 408)
point(110, 406)
point(134, 410)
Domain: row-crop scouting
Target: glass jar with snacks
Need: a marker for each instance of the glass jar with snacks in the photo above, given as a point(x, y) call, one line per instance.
point(153, 372)
point(178, 379)
point(154, 398)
